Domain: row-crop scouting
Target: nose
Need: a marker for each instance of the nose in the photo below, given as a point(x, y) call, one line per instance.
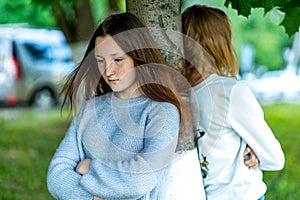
point(109, 69)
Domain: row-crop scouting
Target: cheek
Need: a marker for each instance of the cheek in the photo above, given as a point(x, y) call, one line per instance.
point(132, 77)
point(130, 70)
point(130, 74)
point(128, 78)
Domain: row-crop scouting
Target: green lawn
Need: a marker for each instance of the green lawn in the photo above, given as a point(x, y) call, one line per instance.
point(28, 139)
point(285, 122)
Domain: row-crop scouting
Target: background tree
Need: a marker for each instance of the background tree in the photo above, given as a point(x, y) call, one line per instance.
point(161, 16)
point(114, 5)
point(291, 8)
point(74, 17)
point(257, 30)
point(78, 20)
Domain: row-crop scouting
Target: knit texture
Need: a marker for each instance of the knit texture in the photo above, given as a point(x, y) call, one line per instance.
point(131, 144)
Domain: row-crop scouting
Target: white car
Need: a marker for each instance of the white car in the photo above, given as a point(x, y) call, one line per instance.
point(33, 64)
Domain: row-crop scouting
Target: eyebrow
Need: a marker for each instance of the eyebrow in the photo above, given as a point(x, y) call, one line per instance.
point(114, 54)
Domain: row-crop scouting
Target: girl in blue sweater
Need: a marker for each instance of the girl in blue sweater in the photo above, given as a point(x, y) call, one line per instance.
point(121, 143)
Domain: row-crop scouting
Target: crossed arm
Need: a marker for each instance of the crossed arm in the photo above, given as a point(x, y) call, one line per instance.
point(250, 161)
point(82, 168)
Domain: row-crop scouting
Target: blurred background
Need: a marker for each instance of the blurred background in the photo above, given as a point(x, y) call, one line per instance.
point(32, 71)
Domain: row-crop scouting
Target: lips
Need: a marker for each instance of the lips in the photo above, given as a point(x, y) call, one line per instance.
point(113, 81)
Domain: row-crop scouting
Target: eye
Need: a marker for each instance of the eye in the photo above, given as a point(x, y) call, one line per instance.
point(118, 60)
point(100, 60)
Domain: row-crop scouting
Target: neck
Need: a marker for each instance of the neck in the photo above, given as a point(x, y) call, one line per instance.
point(133, 94)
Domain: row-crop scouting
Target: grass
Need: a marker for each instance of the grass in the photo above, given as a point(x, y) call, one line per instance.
point(284, 120)
point(29, 137)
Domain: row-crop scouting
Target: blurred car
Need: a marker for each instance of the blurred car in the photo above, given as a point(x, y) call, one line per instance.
point(33, 64)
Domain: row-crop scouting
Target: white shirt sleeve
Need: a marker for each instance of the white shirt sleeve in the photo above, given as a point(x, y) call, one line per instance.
point(185, 181)
point(246, 117)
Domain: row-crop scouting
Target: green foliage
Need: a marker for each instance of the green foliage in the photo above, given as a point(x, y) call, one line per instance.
point(244, 6)
point(291, 9)
point(267, 38)
point(52, 2)
point(291, 20)
point(22, 11)
point(41, 12)
point(261, 30)
point(100, 10)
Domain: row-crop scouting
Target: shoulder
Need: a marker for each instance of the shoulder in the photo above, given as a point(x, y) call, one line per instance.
point(229, 82)
point(242, 98)
point(97, 101)
point(241, 93)
point(163, 106)
point(242, 87)
point(164, 113)
point(232, 86)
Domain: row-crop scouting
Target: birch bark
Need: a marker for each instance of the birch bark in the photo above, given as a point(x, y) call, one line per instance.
point(163, 17)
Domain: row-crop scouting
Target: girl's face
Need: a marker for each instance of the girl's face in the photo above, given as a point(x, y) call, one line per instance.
point(116, 67)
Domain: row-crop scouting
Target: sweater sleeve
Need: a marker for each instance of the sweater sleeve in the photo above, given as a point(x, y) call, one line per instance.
point(137, 176)
point(246, 117)
point(62, 179)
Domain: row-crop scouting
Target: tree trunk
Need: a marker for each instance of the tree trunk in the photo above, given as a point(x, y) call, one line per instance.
point(63, 23)
point(113, 5)
point(163, 17)
point(75, 20)
point(85, 21)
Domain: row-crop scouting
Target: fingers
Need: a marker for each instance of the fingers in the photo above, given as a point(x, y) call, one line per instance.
point(247, 150)
point(252, 162)
point(250, 158)
point(83, 166)
point(140, 153)
point(97, 198)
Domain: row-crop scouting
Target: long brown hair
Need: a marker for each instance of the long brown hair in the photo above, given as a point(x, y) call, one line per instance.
point(154, 76)
point(210, 27)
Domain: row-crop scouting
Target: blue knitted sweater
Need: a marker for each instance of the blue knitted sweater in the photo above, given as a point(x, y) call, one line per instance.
point(131, 144)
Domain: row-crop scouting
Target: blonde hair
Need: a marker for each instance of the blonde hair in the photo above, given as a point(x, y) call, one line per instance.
point(210, 27)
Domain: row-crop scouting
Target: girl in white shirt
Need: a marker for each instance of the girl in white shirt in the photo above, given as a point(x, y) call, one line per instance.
point(226, 109)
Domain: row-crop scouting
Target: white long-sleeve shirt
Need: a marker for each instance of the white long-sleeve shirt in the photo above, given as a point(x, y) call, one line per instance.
point(232, 118)
point(185, 181)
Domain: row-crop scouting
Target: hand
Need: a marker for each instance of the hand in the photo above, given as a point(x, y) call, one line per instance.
point(250, 158)
point(97, 198)
point(140, 153)
point(83, 166)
